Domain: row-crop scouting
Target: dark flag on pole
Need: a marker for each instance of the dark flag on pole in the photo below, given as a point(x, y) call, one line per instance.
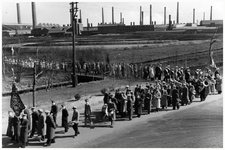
point(16, 103)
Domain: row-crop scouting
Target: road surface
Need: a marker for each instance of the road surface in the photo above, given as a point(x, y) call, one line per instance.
point(199, 125)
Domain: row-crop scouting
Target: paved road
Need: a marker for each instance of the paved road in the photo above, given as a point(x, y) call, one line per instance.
point(199, 125)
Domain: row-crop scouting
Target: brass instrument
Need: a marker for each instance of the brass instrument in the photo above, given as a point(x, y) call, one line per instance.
point(205, 84)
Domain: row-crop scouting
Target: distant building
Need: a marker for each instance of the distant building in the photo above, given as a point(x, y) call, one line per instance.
point(9, 29)
point(211, 23)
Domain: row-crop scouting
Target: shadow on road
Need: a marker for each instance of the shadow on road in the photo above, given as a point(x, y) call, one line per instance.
point(7, 143)
point(65, 136)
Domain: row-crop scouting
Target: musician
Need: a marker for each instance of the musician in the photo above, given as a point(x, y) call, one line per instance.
point(16, 125)
point(169, 95)
point(187, 75)
point(41, 125)
point(175, 98)
point(112, 111)
point(9, 132)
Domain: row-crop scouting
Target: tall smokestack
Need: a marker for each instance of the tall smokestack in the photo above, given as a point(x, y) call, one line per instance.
point(211, 13)
point(102, 15)
point(204, 16)
point(150, 14)
point(18, 13)
point(121, 20)
point(164, 15)
point(34, 14)
point(112, 15)
point(177, 12)
point(140, 16)
point(80, 17)
point(87, 25)
point(154, 22)
point(170, 22)
point(193, 15)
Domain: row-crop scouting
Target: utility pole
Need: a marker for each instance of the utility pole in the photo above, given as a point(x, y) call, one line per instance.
point(34, 85)
point(73, 13)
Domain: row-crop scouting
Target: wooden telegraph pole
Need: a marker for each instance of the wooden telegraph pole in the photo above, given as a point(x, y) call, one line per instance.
point(34, 85)
point(73, 13)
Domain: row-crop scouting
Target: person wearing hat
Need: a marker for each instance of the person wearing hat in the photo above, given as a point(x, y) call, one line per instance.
point(175, 97)
point(129, 106)
point(9, 132)
point(16, 128)
point(139, 105)
point(65, 115)
point(54, 111)
point(87, 112)
point(112, 111)
point(148, 101)
point(26, 111)
point(185, 95)
point(41, 125)
point(75, 120)
point(50, 128)
point(24, 131)
point(34, 122)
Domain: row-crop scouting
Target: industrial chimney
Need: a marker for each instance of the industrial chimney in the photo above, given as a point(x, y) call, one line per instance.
point(121, 20)
point(112, 15)
point(102, 15)
point(177, 12)
point(34, 14)
point(204, 16)
point(80, 17)
point(18, 13)
point(193, 15)
point(164, 15)
point(140, 16)
point(150, 14)
point(211, 13)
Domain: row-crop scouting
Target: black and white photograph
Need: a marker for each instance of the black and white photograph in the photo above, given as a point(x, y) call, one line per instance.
point(112, 74)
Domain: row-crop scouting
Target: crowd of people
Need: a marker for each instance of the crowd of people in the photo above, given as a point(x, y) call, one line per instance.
point(171, 87)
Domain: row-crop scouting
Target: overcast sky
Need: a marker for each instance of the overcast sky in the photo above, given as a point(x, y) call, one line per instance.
point(58, 12)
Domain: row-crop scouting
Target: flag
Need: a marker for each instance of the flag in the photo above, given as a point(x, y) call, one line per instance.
point(16, 103)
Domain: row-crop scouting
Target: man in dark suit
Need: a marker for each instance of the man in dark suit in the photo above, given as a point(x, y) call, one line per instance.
point(41, 125)
point(87, 112)
point(16, 126)
point(34, 122)
point(26, 111)
point(75, 120)
point(65, 115)
point(24, 131)
point(175, 97)
point(129, 106)
point(158, 72)
point(54, 111)
point(50, 129)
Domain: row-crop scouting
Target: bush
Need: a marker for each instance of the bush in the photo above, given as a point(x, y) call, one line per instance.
point(77, 96)
point(103, 91)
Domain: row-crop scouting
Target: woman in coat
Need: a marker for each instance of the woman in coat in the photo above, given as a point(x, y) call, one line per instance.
point(164, 101)
point(24, 131)
point(218, 83)
point(41, 125)
point(175, 98)
point(50, 128)
point(148, 99)
point(157, 99)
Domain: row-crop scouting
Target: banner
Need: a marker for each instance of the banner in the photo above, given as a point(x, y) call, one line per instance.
point(16, 103)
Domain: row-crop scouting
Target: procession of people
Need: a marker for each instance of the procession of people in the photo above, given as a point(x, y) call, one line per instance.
point(165, 88)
